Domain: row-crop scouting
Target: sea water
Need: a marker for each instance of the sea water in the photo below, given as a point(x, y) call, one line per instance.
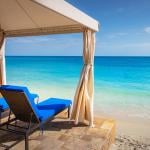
point(122, 84)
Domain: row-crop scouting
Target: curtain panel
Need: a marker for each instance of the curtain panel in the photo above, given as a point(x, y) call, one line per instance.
point(2, 59)
point(83, 100)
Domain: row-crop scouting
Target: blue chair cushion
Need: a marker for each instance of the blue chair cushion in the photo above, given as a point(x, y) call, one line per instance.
point(33, 95)
point(51, 107)
point(3, 104)
point(24, 89)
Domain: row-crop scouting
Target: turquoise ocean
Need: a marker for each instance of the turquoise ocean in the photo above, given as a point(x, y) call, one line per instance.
point(122, 84)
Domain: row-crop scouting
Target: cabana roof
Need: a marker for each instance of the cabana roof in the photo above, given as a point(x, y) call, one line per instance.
point(36, 17)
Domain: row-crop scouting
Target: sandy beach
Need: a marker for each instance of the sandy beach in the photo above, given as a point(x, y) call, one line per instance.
point(125, 142)
point(131, 134)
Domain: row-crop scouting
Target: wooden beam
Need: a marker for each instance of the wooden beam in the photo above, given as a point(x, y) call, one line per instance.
point(45, 31)
point(2, 59)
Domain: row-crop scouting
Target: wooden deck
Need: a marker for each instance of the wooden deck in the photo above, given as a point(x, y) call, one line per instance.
point(62, 134)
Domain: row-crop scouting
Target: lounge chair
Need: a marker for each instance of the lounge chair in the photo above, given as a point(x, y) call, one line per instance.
point(4, 106)
point(23, 107)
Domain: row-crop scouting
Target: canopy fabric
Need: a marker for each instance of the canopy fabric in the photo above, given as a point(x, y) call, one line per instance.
point(36, 17)
point(2, 59)
point(83, 100)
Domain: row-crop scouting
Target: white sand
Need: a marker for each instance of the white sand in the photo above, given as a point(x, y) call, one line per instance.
point(132, 133)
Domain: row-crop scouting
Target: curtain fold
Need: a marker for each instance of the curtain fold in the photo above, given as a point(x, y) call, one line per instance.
point(83, 100)
point(2, 59)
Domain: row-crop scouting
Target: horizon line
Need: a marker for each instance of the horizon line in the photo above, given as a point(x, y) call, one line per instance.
point(72, 56)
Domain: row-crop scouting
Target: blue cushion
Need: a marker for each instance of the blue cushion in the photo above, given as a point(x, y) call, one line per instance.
point(51, 107)
point(45, 114)
point(19, 89)
point(3, 104)
point(24, 89)
point(13, 88)
point(33, 95)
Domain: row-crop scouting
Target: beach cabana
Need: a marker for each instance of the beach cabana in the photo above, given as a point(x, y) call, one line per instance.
point(39, 17)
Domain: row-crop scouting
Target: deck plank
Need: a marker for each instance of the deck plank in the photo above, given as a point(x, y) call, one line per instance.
point(62, 134)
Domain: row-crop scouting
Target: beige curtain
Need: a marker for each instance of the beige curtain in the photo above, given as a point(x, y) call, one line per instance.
point(2, 59)
point(83, 101)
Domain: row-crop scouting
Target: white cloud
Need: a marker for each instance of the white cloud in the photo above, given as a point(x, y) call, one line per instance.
point(147, 29)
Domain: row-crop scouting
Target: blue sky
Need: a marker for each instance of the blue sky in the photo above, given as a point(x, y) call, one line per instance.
point(124, 31)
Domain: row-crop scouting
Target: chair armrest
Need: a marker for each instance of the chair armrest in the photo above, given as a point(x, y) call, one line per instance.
point(35, 98)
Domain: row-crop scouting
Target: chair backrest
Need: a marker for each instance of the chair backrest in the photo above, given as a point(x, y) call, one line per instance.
point(20, 103)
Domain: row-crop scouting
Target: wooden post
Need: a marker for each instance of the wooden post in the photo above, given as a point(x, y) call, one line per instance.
point(2, 58)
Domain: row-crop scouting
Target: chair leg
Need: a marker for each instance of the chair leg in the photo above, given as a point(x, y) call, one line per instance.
point(0, 116)
point(41, 129)
point(69, 108)
point(26, 142)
